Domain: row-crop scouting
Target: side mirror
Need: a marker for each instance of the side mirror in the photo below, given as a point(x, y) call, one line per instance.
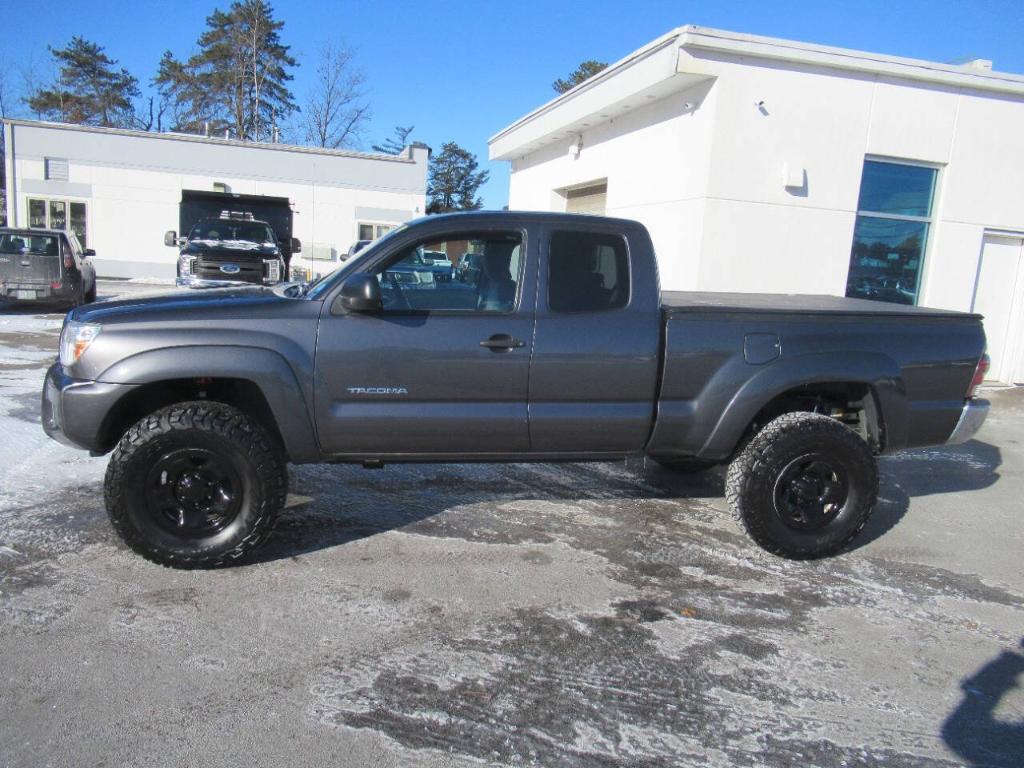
point(359, 293)
point(88, 252)
point(170, 238)
point(296, 245)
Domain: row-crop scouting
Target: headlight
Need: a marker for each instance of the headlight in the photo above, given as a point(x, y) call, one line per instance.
point(75, 339)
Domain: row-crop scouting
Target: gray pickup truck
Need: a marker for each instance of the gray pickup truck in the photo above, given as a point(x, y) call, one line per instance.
point(560, 347)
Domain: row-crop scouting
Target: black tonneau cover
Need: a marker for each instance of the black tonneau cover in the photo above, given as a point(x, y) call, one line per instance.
point(673, 302)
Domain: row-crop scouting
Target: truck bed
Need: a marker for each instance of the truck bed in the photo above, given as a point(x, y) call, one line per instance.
point(674, 302)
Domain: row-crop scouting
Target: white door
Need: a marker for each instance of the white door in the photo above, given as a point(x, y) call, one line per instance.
point(997, 296)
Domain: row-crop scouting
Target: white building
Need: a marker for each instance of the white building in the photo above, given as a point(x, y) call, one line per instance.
point(756, 162)
point(120, 190)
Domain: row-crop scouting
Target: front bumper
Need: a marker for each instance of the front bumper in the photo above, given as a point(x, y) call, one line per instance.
point(74, 411)
point(971, 418)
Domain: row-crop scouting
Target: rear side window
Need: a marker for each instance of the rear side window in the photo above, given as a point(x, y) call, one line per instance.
point(587, 272)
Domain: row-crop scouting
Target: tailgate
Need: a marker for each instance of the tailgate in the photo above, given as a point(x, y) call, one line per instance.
point(29, 260)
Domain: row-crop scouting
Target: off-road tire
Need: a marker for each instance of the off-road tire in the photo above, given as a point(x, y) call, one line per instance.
point(215, 427)
point(90, 295)
point(751, 479)
point(686, 466)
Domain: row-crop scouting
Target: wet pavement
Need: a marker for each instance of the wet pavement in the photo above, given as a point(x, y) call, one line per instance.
point(550, 615)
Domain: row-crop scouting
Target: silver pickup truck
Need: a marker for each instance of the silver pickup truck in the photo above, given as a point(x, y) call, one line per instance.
point(560, 347)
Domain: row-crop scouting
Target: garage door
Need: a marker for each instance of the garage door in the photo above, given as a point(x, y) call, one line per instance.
point(999, 296)
point(587, 199)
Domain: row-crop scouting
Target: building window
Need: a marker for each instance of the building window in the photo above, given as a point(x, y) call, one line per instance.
point(373, 231)
point(893, 218)
point(69, 216)
point(56, 169)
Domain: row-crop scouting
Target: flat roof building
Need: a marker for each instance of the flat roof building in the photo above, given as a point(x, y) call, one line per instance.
point(120, 190)
point(761, 164)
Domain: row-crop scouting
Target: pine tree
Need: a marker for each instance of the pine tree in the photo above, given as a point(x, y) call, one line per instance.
point(453, 180)
point(584, 71)
point(238, 79)
point(89, 89)
point(393, 145)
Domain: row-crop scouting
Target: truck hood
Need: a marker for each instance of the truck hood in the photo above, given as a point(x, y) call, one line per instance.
point(257, 302)
point(230, 249)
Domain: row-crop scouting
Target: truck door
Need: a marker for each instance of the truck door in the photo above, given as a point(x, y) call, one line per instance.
point(593, 379)
point(444, 367)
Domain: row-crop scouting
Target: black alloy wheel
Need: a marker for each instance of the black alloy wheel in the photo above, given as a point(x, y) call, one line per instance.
point(193, 492)
point(196, 485)
point(803, 486)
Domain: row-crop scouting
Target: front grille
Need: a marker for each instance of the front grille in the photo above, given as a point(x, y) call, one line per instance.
point(248, 272)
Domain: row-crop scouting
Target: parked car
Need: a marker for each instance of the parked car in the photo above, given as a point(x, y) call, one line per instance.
point(46, 265)
point(568, 351)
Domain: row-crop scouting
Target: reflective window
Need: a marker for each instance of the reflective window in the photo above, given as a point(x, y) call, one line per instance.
point(58, 214)
point(467, 272)
point(78, 222)
point(373, 231)
point(891, 232)
point(587, 272)
point(37, 214)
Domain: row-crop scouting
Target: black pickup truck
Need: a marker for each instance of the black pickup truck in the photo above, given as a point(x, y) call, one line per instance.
point(560, 347)
point(232, 239)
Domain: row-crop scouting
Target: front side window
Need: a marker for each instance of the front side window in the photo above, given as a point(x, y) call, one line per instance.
point(587, 272)
point(466, 272)
point(893, 217)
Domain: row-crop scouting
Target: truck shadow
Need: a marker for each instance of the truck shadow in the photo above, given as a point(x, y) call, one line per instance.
point(927, 472)
point(973, 730)
point(339, 504)
point(335, 505)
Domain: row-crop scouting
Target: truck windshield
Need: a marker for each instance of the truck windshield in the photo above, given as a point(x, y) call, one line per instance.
point(229, 229)
point(42, 245)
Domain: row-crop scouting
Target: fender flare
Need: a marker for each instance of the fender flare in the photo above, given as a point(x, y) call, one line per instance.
point(877, 371)
point(266, 369)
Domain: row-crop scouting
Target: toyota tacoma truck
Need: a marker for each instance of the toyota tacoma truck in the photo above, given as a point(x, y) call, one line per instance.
point(560, 347)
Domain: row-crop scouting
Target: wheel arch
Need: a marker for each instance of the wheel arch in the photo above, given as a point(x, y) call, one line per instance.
point(867, 383)
point(256, 381)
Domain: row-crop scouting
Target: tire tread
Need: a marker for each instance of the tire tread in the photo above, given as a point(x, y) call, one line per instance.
point(216, 418)
point(753, 457)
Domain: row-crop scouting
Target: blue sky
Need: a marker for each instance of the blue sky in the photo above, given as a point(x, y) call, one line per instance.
point(460, 71)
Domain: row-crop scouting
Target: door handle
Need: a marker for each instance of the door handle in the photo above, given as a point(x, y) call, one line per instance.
point(502, 342)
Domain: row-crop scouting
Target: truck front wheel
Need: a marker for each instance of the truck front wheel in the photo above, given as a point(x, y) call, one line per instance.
point(195, 485)
point(804, 486)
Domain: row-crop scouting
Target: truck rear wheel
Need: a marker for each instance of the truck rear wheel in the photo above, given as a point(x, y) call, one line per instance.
point(804, 486)
point(195, 485)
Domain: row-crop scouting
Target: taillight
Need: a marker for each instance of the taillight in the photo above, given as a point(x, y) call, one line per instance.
point(979, 375)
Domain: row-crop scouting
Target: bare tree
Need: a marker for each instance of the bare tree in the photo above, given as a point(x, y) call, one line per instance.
point(337, 110)
point(35, 75)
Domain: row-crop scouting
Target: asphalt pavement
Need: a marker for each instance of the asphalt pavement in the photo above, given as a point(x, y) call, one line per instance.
point(530, 614)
